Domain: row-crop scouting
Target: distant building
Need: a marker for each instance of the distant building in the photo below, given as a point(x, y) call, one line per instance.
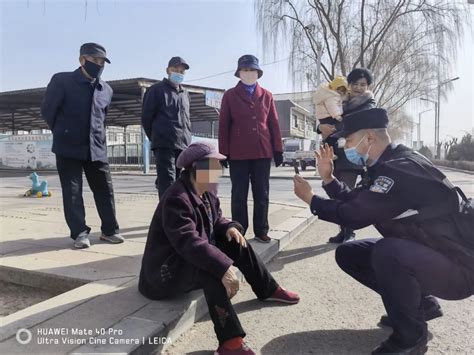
point(303, 99)
point(295, 121)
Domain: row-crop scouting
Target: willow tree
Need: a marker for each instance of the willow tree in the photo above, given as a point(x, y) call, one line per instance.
point(410, 45)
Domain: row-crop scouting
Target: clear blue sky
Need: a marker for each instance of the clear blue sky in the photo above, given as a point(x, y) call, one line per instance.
point(39, 38)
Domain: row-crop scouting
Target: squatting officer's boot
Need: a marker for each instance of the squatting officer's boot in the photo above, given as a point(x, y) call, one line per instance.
point(388, 347)
point(345, 235)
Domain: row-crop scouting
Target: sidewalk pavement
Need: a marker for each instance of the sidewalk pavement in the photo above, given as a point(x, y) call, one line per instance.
point(100, 302)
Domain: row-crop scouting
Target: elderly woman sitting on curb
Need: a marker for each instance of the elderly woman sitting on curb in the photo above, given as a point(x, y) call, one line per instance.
point(191, 246)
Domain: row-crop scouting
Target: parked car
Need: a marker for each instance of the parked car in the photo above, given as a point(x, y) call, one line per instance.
point(293, 145)
point(306, 158)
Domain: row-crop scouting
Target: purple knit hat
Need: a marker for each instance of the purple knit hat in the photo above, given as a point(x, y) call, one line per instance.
point(198, 151)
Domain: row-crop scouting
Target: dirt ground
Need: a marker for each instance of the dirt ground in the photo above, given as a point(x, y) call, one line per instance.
point(15, 297)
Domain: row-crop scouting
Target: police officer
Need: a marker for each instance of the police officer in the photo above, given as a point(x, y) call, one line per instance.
point(417, 259)
point(75, 107)
point(166, 121)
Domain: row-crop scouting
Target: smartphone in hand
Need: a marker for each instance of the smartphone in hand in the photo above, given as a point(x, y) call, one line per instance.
point(297, 171)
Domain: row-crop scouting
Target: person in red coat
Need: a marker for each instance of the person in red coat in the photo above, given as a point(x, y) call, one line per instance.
point(249, 136)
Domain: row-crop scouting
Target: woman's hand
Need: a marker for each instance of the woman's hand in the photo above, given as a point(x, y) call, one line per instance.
point(230, 282)
point(325, 158)
point(327, 129)
point(233, 233)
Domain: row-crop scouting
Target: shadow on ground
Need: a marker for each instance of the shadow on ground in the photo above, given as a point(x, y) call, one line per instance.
point(334, 341)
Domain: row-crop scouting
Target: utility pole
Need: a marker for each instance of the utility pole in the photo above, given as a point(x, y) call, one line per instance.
point(418, 131)
point(436, 119)
point(438, 114)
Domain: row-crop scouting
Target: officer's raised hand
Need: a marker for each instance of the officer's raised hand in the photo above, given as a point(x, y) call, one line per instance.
point(325, 158)
point(303, 189)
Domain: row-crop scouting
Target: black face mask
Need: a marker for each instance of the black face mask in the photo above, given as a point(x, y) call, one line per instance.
point(94, 70)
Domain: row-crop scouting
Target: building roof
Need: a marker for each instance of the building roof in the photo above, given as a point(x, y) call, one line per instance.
point(298, 108)
point(20, 109)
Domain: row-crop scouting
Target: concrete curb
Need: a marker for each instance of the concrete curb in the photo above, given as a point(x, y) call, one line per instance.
point(55, 283)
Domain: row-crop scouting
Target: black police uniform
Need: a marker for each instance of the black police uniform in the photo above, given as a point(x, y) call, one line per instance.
point(415, 258)
point(75, 109)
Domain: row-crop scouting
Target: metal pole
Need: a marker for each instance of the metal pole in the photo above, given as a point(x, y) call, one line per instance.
point(145, 143)
point(418, 131)
point(437, 121)
point(419, 124)
point(125, 143)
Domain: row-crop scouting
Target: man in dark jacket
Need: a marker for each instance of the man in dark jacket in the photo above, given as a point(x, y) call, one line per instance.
point(75, 107)
point(417, 258)
point(190, 245)
point(166, 121)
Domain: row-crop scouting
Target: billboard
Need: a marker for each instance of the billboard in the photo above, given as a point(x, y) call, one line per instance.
point(213, 98)
point(27, 152)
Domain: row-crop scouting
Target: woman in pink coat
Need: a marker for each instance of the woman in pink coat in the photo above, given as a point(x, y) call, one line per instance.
point(249, 135)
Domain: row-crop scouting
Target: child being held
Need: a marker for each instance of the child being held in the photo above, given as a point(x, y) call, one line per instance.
point(329, 99)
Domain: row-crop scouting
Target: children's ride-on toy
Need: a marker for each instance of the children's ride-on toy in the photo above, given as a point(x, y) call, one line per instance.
point(38, 188)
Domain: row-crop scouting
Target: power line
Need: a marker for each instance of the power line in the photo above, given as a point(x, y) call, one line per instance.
point(232, 71)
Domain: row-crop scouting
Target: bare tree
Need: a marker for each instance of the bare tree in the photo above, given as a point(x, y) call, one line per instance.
point(408, 44)
point(401, 123)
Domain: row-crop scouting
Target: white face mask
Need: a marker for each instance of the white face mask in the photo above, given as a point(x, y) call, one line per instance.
point(249, 77)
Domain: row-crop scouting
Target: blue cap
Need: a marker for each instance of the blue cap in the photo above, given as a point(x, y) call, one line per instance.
point(366, 119)
point(248, 61)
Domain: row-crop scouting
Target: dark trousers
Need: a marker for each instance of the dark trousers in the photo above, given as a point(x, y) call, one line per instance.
point(166, 170)
point(100, 181)
point(257, 172)
point(403, 273)
point(225, 319)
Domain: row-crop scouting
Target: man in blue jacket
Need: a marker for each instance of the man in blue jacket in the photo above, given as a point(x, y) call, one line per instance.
point(166, 121)
point(75, 107)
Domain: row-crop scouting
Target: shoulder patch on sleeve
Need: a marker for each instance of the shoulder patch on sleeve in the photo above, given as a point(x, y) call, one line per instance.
point(382, 184)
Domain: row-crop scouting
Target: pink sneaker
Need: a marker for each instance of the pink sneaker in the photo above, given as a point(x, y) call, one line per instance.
point(285, 296)
point(243, 350)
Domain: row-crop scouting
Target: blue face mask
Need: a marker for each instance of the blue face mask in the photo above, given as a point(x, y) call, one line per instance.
point(176, 78)
point(355, 157)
